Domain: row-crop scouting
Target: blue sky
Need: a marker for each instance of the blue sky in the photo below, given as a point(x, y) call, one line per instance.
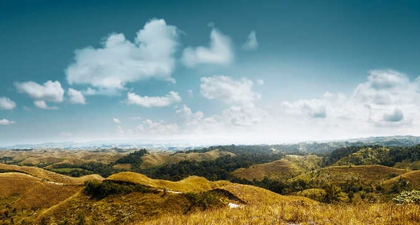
point(231, 72)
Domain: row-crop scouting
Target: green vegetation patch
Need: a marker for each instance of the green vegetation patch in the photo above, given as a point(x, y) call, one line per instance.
point(100, 190)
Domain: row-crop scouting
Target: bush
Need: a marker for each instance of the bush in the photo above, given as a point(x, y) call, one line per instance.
point(407, 197)
point(101, 190)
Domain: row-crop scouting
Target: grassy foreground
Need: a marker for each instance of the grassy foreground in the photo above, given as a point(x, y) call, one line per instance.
point(295, 213)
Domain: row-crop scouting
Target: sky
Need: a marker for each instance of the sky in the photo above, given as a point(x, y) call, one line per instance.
point(208, 72)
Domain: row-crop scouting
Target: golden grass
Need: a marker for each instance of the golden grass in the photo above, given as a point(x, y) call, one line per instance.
point(255, 195)
point(122, 166)
point(59, 156)
point(161, 158)
point(50, 176)
point(285, 168)
point(136, 207)
point(274, 170)
point(115, 209)
point(299, 213)
point(413, 177)
point(246, 193)
point(32, 192)
point(364, 173)
point(258, 206)
point(189, 184)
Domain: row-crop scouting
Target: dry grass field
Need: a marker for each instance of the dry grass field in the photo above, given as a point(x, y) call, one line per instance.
point(299, 213)
point(367, 173)
point(48, 175)
point(160, 158)
point(49, 157)
point(282, 169)
point(194, 200)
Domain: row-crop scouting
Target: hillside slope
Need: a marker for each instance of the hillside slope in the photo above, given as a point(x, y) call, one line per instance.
point(161, 158)
point(22, 195)
point(48, 175)
point(285, 168)
point(159, 198)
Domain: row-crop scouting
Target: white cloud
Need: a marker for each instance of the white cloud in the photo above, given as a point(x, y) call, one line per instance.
point(228, 90)
point(251, 42)
point(219, 52)
point(6, 122)
point(146, 101)
point(187, 113)
point(151, 127)
point(6, 103)
point(76, 97)
point(387, 87)
point(260, 82)
point(246, 116)
point(387, 99)
point(314, 108)
point(116, 120)
point(43, 105)
point(50, 91)
point(121, 61)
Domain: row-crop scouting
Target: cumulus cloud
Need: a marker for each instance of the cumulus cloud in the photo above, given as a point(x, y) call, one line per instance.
point(6, 122)
point(247, 116)
point(386, 99)
point(49, 91)
point(243, 110)
point(43, 105)
point(121, 61)
point(314, 108)
point(251, 42)
point(157, 127)
point(6, 103)
point(219, 52)
point(387, 87)
point(187, 113)
point(149, 102)
point(76, 97)
point(228, 90)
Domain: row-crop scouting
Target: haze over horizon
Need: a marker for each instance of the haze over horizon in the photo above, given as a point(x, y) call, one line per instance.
point(240, 71)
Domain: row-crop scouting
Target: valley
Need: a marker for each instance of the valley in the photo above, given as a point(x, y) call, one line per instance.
point(258, 184)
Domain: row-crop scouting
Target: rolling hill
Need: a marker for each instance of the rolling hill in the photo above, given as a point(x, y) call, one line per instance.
point(48, 175)
point(158, 198)
point(282, 169)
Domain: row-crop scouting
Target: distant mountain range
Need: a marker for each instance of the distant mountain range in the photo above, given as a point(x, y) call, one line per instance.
point(322, 146)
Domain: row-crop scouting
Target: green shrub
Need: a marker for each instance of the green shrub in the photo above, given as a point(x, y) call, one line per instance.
point(103, 189)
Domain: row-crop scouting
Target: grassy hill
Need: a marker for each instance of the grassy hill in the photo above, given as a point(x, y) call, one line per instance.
point(339, 174)
point(161, 158)
point(133, 198)
point(22, 196)
point(49, 157)
point(366, 156)
point(48, 175)
point(155, 198)
point(285, 168)
point(406, 181)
